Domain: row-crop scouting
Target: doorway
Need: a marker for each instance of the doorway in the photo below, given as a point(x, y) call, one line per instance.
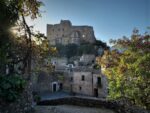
point(95, 92)
point(54, 87)
point(60, 86)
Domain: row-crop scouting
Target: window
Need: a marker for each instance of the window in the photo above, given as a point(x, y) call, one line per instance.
point(99, 82)
point(83, 78)
point(58, 29)
point(71, 79)
point(80, 88)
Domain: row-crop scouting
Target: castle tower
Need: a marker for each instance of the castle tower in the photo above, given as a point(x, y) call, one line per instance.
point(65, 33)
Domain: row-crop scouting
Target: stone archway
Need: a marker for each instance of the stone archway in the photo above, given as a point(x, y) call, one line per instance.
point(75, 37)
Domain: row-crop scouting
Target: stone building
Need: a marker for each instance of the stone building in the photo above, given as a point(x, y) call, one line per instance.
point(66, 33)
point(87, 59)
point(59, 61)
point(52, 82)
point(77, 74)
point(89, 82)
point(80, 80)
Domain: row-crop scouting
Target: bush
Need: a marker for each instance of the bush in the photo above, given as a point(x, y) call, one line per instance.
point(96, 66)
point(11, 87)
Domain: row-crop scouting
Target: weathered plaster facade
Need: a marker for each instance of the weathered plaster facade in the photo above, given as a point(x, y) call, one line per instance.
point(78, 81)
point(89, 82)
point(65, 33)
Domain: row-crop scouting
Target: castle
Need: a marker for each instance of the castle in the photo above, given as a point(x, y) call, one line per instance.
point(77, 75)
point(65, 33)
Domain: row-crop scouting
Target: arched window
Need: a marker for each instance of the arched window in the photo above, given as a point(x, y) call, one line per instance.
point(83, 78)
point(75, 34)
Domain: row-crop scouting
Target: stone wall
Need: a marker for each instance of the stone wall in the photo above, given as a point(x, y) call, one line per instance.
point(65, 33)
point(89, 84)
point(91, 102)
point(44, 81)
point(87, 59)
point(71, 81)
point(59, 61)
point(82, 86)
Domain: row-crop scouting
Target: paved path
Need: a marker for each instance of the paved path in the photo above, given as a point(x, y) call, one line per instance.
point(70, 109)
point(55, 95)
point(67, 108)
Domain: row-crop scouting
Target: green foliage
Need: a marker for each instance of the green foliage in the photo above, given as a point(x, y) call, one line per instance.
point(87, 49)
point(36, 98)
point(128, 70)
point(11, 87)
point(15, 50)
point(71, 50)
point(8, 13)
point(101, 44)
point(96, 66)
point(67, 50)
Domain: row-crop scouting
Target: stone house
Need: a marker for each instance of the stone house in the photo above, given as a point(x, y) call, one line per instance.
point(61, 61)
point(78, 81)
point(89, 82)
point(51, 82)
point(87, 59)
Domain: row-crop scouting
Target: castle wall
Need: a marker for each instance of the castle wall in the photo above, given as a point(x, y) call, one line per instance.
point(64, 33)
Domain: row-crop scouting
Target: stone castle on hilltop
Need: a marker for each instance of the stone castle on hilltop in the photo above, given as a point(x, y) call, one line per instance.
point(65, 33)
point(78, 75)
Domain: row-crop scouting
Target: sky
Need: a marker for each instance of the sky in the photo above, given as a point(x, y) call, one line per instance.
point(111, 19)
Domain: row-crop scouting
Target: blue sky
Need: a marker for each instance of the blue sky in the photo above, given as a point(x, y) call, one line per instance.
point(110, 19)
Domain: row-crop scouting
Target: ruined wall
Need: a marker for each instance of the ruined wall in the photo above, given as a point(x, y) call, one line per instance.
point(117, 107)
point(87, 59)
point(64, 33)
point(43, 81)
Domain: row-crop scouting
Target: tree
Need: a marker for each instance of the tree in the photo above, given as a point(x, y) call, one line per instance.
point(71, 50)
point(16, 51)
point(68, 51)
point(101, 44)
point(128, 69)
point(13, 14)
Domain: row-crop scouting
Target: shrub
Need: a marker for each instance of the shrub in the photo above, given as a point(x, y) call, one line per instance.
point(11, 87)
